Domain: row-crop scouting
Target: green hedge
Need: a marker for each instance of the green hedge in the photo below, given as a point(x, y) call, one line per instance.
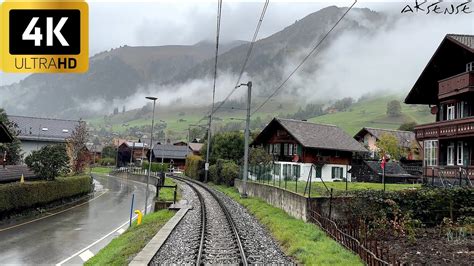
point(17, 196)
point(157, 167)
point(224, 172)
point(195, 167)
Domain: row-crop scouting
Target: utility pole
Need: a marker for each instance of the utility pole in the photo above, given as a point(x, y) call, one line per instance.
point(247, 136)
point(151, 151)
point(206, 166)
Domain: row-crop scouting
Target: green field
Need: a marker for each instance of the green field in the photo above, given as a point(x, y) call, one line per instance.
point(305, 242)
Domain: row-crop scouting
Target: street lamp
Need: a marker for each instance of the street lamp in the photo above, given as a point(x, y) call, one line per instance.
point(151, 150)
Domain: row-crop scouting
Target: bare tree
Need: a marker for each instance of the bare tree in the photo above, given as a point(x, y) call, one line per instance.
point(77, 149)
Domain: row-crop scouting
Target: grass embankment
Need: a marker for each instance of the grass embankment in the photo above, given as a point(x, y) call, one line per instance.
point(305, 242)
point(125, 247)
point(318, 188)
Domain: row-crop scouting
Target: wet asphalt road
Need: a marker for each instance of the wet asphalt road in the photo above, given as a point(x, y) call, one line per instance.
point(75, 234)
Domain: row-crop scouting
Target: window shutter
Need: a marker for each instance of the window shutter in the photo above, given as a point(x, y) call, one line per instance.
point(333, 172)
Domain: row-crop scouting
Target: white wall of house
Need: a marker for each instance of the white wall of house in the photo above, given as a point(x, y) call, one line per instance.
point(305, 169)
point(27, 146)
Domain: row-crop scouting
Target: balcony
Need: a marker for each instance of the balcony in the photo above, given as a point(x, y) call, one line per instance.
point(446, 129)
point(455, 85)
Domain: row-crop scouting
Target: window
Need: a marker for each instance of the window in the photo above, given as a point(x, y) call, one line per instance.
point(337, 172)
point(296, 171)
point(470, 66)
point(460, 110)
point(276, 148)
point(450, 112)
point(290, 149)
point(450, 154)
point(276, 169)
point(285, 149)
point(460, 153)
point(431, 152)
point(286, 171)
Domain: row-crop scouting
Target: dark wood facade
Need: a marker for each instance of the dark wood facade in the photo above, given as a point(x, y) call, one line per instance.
point(447, 84)
point(284, 147)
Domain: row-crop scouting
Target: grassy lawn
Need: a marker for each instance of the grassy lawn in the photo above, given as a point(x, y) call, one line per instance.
point(101, 170)
point(318, 189)
point(305, 242)
point(124, 248)
point(167, 194)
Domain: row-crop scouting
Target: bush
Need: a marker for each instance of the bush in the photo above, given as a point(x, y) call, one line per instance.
point(157, 167)
point(229, 172)
point(107, 161)
point(224, 172)
point(17, 196)
point(195, 167)
point(49, 162)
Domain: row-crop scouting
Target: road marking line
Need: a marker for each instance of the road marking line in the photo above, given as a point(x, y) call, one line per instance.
point(47, 216)
point(120, 231)
point(86, 255)
point(97, 241)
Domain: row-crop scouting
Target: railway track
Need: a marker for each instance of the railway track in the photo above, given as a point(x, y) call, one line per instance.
point(220, 242)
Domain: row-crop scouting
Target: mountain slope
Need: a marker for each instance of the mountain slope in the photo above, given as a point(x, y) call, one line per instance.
point(118, 74)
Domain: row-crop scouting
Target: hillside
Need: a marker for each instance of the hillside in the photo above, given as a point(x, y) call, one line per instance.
point(370, 112)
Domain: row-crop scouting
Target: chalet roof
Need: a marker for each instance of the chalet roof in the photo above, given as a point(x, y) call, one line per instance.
point(391, 168)
point(466, 40)
point(320, 136)
point(405, 138)
point(136, 145)
point(5, 135)
point(43, 129)
point(196, 147)
point(449, 59)
point(170, 151)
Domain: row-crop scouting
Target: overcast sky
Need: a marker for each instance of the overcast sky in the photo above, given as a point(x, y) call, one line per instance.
point(117, 23)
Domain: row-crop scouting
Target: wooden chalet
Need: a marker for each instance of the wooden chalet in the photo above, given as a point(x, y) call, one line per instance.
point(299, 146)
point(447, 86)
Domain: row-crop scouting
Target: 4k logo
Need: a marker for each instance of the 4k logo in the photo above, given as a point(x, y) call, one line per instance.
point(45, 37)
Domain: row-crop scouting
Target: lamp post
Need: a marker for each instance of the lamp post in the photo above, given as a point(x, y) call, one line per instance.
point(151, 151)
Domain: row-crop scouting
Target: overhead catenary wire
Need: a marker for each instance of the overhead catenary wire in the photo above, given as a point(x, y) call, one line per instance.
point(244, 65)
point(277, 89)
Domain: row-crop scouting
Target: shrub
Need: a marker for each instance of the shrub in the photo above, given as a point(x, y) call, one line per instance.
point(157, 167)
point(107, 161)
point(195, 167)
point(49, 162)
point(17, 196)
point(213, 175)
point(229, 172)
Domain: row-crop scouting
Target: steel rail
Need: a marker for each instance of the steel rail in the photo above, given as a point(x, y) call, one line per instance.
point(227, 214)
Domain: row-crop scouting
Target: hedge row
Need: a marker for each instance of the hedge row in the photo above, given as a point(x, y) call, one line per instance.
point(157, 167)
point(195, 167)
point(224, 172)
point(17, 196)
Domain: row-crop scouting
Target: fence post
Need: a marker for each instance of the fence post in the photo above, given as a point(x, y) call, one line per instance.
point(330, 204)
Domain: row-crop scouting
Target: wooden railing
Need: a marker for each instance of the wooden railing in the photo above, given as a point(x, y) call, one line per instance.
point(456, 84)
point(458, 127)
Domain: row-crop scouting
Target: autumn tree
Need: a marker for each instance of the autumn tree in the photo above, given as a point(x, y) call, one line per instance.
point(13, 149)
point(388, 145)
point(77, 149)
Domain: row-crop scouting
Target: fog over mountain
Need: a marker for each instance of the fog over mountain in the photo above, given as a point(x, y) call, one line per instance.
point(368, 52)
